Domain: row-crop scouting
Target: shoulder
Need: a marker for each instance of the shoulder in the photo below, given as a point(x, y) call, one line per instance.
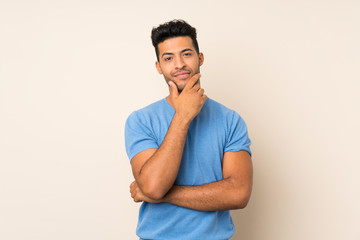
point(220, 109)
point(218, 113)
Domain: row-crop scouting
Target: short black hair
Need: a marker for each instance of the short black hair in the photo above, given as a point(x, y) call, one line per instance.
point(171, 29)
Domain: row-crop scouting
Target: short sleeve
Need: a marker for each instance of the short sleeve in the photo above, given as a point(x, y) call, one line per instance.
point(138, 135)
point(237, 138)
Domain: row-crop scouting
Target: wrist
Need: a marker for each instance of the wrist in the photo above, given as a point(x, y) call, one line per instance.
point(181, 121)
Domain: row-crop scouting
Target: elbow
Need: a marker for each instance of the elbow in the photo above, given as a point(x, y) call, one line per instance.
point(241, 200)
point(242, 203)
point(154, 195)
point(154, 192)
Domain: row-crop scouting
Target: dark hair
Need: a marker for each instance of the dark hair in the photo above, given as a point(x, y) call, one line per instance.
point(174, 28)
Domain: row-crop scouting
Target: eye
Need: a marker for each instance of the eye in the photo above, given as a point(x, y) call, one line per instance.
point(187, 54)
point(167, 59)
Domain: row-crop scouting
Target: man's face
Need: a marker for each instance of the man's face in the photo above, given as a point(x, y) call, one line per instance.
point(178, 60)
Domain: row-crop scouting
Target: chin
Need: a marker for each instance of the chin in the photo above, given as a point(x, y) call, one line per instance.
point(180, 88)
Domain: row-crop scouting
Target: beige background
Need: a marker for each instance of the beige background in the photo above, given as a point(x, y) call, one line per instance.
point(72, 71)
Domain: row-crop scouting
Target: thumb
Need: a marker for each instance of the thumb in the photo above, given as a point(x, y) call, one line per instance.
point(173, 89)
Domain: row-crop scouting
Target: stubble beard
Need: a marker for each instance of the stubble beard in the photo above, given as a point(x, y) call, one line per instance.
point(167, 79)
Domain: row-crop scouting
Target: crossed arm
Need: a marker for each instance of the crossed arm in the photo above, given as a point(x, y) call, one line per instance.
point(233, 192)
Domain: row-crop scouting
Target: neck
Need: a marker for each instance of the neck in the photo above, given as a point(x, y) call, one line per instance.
point(168, 99)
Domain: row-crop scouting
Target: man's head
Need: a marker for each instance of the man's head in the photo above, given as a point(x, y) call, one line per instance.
point(177, 51)
point(174, 28)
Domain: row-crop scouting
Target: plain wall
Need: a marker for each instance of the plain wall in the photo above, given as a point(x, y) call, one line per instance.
point(72, 71)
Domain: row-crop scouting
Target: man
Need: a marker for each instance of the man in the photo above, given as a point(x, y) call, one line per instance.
point(189, 155)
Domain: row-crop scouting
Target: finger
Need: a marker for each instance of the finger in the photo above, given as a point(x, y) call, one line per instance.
point(137, 200)
point(133, 194)
point(204, 97)
point(192, 81)
point(201, 91)
point(173, 89)
point(132, 186)
point(196, 87)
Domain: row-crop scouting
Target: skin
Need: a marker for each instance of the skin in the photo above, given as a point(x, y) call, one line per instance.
point(155, 170)
point(178, 55)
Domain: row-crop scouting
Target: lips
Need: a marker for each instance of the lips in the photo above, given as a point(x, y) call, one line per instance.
point(182, 74)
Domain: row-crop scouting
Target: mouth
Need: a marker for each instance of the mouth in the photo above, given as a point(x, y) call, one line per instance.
point(182, 74)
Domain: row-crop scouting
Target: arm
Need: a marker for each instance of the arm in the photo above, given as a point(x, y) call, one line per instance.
point(233, 192)
point(155, 170)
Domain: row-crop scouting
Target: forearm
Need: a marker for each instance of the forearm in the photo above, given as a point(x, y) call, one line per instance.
point(216, 196)
point(158, 174)
point(155, 172)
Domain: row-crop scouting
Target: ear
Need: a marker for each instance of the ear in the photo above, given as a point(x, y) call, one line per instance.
point(201, 58)
point(157, 64)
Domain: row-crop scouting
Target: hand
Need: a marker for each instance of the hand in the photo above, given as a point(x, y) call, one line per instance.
point(189, 102)
point(138, 195)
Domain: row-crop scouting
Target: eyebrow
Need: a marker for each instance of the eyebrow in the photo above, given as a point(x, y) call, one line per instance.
point(182, 51)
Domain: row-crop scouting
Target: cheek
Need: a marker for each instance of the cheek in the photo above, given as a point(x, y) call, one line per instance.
point(166, 69)
point(195, 64)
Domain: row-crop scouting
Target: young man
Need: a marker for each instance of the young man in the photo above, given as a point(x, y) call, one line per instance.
point(190, 155)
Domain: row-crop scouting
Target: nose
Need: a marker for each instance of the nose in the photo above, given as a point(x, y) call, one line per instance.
point(179, 64)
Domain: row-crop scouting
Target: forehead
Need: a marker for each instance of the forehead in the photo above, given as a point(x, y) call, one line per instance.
point(176, 44)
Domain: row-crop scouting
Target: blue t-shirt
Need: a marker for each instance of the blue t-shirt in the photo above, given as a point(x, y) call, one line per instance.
point(215, 130)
